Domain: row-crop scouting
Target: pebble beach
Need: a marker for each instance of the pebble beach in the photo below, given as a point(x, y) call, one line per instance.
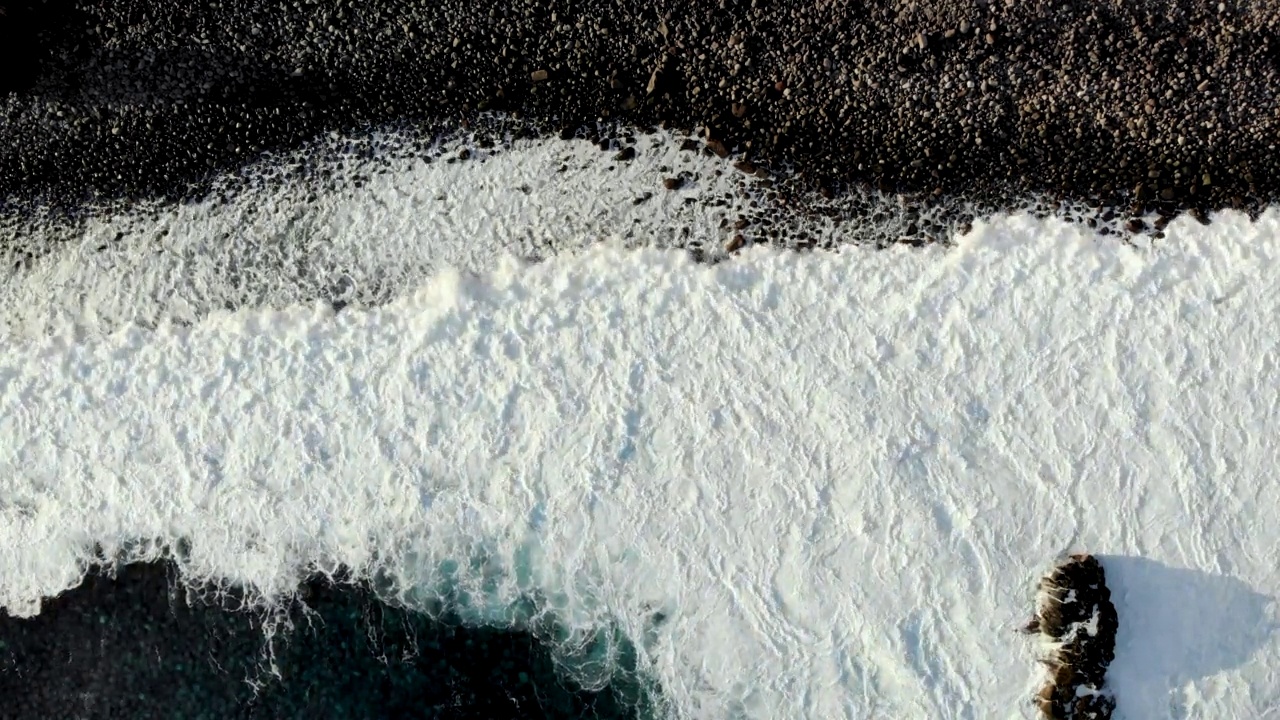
point(1136, 107)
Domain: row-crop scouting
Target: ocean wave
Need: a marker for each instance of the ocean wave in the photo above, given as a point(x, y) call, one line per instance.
point(834, 474)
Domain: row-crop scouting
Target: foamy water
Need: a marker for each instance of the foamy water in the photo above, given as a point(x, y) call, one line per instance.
point(366, 244)
point(837, 475)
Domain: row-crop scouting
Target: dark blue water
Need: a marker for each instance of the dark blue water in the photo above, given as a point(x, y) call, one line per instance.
point(138, 645)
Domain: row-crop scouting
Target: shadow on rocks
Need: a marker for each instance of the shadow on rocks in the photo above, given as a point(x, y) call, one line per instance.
point(1178, 625)
point(25, 29)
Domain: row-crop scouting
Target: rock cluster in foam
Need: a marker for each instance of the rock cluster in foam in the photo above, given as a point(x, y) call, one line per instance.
point(1077, 619)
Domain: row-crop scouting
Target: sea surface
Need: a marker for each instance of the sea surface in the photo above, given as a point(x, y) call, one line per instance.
point(485, 439)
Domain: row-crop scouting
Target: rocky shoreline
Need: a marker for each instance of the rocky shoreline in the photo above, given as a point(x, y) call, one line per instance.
point(1131, 108)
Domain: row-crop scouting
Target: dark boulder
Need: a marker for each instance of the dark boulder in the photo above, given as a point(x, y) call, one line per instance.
point(1076, 614)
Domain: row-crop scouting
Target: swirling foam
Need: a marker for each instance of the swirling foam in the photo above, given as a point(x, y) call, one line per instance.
point(836, 475)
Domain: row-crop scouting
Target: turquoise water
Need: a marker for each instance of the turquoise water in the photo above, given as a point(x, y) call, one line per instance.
point(141, 645)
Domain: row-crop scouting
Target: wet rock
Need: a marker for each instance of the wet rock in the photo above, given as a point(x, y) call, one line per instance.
point(1075, 613)
point(829, 96)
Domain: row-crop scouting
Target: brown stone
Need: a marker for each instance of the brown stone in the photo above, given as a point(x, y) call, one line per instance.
point(1072, 597)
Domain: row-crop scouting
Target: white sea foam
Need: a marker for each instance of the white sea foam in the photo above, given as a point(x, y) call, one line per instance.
point(839, 475)
point(286, 245)
point(367, 243)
